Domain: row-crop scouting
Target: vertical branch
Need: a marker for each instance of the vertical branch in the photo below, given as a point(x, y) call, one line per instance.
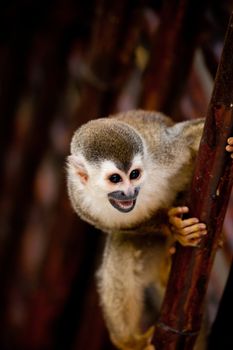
point(171, 58)
point(182, 309)
point(36, 144)
point(108, 58)
point(114, 37)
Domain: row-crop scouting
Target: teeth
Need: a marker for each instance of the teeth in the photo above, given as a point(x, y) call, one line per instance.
point(124, 206)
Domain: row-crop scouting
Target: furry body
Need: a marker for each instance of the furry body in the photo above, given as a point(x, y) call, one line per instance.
point(135, 265)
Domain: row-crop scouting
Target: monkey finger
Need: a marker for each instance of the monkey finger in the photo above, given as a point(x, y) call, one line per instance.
point(229, 148)
point(190, 239)
point(186, 226)
point(194, 243)
point(195, 235)
point(175, 222)
point(230, 141)
point(192, 229)
point(188, 243)
point(188, 222)
point(177, 211)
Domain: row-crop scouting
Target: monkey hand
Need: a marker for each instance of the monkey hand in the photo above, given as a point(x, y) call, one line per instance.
point(229, 147)
point(137, 342)
point(188, 232)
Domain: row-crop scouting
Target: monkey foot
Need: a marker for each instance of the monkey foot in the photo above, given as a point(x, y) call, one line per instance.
point(146, 338)
point(150, 347)
point(139, 341)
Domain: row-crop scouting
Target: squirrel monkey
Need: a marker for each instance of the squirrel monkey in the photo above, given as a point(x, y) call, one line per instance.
point(127, 175)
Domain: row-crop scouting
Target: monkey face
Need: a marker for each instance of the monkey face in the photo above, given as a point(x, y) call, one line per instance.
point(122, 186)
point(124, 199)
point(110, 195)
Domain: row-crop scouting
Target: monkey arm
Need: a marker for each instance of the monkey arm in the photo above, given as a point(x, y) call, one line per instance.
point(189, 232)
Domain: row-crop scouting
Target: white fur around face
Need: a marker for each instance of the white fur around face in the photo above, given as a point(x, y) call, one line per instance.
point(93, 196)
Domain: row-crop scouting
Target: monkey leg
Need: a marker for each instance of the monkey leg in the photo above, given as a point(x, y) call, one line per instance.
point(123, 309)
point(122, 281)
point(137, 342)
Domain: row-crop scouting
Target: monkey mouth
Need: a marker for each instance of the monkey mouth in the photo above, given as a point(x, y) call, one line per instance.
point(123, 206)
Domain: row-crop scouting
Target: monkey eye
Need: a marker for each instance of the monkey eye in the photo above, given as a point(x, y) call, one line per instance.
point(134, 174)
point(115, 178)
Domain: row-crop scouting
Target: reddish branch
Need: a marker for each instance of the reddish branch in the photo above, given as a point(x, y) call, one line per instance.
point(116, 28)
point(172, 55)
point(71, 253)
point(182, 310)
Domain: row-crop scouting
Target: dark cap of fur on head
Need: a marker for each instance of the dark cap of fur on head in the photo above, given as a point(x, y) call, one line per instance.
point(108, 139)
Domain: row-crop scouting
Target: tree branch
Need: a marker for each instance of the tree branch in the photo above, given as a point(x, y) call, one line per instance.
point(172, 56)
point(182, 309)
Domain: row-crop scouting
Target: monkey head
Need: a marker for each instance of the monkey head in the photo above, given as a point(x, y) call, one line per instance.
point(123, 169)
point(107, 170)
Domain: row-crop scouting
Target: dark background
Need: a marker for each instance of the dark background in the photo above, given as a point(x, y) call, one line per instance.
point(62, 63)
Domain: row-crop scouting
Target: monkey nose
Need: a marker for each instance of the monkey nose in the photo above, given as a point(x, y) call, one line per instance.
point(136, 190)
point(132, 192)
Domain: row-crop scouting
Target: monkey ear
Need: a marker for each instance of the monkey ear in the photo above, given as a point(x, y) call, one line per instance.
point(193, 132)
point(77, 163)
point(190, 131)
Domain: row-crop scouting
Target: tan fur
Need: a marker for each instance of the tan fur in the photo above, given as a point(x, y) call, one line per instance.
point(133, 274)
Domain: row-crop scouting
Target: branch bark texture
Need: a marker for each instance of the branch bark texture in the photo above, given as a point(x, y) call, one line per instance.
point(182, 309)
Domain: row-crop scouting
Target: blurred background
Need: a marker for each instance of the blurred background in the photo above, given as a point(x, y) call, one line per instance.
point(62, 63)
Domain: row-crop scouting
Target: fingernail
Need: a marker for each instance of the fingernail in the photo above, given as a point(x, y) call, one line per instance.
point(185, 208)
point(202, 225)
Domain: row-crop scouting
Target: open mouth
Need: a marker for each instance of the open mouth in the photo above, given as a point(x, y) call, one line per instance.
point(123, 206)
